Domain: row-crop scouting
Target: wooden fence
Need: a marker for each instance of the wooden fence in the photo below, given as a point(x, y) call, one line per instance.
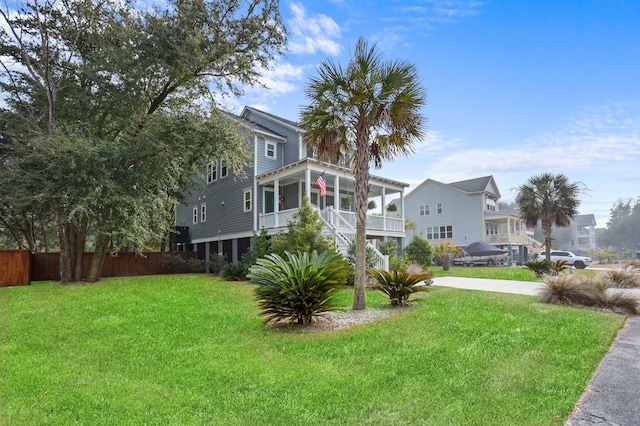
point(15, 267)
point(22, 267)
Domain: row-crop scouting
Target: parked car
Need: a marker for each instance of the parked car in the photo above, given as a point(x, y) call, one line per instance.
point(580, 262)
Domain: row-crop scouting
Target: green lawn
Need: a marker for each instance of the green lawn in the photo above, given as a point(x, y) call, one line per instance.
point(189, 349)
point(497, 272)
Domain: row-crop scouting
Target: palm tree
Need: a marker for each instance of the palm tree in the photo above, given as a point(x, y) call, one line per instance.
point(370, 110)
point(548, 199)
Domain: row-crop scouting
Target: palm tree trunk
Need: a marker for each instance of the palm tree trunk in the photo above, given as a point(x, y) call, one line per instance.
point(361, 195)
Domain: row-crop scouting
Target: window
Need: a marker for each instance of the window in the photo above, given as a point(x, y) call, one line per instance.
point(491, 204)
point(270, 149)
point(211, 172)
point(223, 169)
point(439, 207)
point(247, 200)
point(203, 212)
point(195, 215)
point(442, 232)
point(424, 210)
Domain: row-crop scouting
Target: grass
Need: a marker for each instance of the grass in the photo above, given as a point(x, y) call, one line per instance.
point(498, 272)
point(189, 349)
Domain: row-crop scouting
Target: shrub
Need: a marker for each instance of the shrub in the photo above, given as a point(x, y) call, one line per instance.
point(445, 251)
point(390, 247)
point(371, 261)
point(260, 248)
point(594, 292)
point(217, 262)
point(623, 279)
point(400, 285)
point(601, 295)
point(563, 290)
point(173, 262)
point(540, 268)
point(304, 233)
point(419, 251)
point(298, 288)
point(196, 265)
point(235, 272)
point(635, 264)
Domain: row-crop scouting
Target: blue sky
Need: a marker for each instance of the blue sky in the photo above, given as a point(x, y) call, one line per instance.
point(515, 88)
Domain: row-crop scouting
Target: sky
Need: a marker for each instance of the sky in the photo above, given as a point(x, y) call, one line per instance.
point(514, 88)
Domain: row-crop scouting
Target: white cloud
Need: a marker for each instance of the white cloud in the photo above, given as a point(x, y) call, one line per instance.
point(311, 34)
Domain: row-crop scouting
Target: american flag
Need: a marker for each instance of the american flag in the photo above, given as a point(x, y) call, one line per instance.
point(322, 184)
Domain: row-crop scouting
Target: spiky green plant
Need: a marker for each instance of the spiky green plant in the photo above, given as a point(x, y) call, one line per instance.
point(235, 271)
point(400, 285)
point(297, 287)
point(540, 268)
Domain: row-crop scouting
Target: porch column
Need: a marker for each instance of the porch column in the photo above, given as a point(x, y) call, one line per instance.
point(384, 209)
point(276, 201)
point(336, 195)
point(509, 229)
point(307, 183)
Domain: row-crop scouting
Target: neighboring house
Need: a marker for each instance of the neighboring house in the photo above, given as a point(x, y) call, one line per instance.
point(224, 215)
point(583, 234)
point(465, 212)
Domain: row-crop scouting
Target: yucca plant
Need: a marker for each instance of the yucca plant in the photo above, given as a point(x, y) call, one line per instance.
point(297, 287)
point(400, 285)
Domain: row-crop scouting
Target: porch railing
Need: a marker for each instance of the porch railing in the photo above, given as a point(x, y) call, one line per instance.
point(511, 239)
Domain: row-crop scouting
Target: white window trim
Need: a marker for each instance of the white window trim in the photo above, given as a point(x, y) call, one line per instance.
point(250, 200)
point(211, 168)
point(224, 170)
point(195, 215)
point(203, 212)
point(266, 149)
point(440, 208)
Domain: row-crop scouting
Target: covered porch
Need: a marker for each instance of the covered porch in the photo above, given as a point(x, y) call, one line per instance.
point(281, 192)
point(506, 228)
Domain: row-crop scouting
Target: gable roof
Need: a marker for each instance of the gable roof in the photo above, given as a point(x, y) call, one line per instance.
point(470, 186)
point(481, 184)
point(288, 123)
point(585, 219)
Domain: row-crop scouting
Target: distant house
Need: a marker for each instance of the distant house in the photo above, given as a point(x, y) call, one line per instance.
point(583, 234)
point(465, 212)
point(223, 215)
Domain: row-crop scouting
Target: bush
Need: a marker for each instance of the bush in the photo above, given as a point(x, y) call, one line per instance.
point(371, 261)
point(419, 251)
point(217, 262)
point(196, 265)
point(298, 288)
point(390, 247)
point(174, 263)
point(623, 279)
point(235, 272)
point(400, 285)
point(546, 267)
point(594, 292)
point(563, 290)
point(445, 252)
point(304, 233)
point(540, 268)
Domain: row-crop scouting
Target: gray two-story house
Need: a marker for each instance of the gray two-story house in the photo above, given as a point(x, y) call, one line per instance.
point(224, 215)
point(465, 212)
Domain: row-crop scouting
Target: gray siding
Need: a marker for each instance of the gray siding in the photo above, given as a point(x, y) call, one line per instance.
point(224, 208)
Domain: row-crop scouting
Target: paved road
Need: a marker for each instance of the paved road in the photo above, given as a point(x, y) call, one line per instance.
point(612, 398)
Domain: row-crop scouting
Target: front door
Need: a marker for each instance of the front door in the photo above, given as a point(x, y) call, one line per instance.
point(268, 202)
